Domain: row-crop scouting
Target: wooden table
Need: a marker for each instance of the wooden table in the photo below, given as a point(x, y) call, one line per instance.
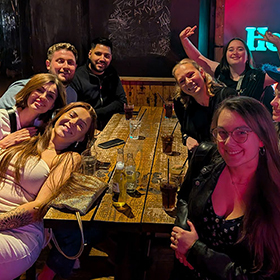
point(143, 212)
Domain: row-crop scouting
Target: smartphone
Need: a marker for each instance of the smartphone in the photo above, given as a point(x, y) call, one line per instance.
point(111, 143)
point(103, 165)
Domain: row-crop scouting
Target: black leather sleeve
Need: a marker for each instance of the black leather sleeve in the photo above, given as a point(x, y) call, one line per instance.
point(219, 266)
point(182, 215)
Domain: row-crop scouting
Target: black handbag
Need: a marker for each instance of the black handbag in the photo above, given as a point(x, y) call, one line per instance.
point(78, 195)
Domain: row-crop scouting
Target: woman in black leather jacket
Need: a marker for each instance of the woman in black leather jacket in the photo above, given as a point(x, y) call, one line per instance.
point(228, 224)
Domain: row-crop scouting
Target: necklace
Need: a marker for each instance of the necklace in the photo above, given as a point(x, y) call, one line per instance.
point(237, 191)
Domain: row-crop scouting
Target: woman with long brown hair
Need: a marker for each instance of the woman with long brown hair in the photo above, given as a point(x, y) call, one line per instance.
point(236, 68)
point(30, 173)
point(35, 104)
point(232, 226)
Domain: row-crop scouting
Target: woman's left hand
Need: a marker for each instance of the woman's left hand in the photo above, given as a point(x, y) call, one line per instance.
point(182, 240)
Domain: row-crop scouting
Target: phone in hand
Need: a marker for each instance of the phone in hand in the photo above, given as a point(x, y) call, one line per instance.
point(111, 143)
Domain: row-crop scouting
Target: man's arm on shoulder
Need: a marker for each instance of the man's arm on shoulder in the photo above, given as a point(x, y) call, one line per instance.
point(8, 98)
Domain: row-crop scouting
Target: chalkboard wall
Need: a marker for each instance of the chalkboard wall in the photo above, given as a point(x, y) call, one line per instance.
point(144, 32)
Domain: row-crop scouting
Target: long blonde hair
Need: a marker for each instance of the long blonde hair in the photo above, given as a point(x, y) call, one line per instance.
point(209, 82)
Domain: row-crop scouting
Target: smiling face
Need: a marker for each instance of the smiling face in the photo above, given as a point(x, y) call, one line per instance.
point(100, 58)
point(42, 99)
point(63, 65)
point(275, 103)
point(191, 80)
point(238, 154)
point(73, 125)
point(236, 53)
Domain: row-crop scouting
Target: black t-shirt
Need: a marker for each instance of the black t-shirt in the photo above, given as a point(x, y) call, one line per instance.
point(196, 120)
point(252, 85)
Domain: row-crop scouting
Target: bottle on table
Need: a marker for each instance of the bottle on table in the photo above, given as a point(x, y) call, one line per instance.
point(130, 173)
point(119, 190)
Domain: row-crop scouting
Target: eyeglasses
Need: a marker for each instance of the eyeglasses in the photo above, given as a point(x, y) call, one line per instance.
point(239, 134)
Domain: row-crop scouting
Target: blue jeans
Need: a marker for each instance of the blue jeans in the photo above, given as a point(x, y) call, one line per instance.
point(69, 240)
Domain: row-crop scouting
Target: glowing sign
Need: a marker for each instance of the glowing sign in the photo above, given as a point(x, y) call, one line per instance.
point(253, 36)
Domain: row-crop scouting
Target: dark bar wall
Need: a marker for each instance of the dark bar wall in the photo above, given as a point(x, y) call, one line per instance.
point(144, 33)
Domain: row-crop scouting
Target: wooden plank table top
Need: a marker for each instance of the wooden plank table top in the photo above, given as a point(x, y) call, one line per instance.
point(143, 152)
point(155, 219)
point(143, 210)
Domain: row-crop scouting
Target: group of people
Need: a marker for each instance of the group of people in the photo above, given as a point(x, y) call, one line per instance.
point(46, 121)
point(227, 224)
point(228, 213)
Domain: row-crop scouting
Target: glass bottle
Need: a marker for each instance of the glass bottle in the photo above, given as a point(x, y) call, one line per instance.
point(119, 190)
point(130, 174)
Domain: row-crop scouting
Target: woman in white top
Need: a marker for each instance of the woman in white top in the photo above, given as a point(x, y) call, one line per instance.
point(35, 104)
point(30, 173)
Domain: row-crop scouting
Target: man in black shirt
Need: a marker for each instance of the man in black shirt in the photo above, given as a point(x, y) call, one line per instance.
point(98, 83)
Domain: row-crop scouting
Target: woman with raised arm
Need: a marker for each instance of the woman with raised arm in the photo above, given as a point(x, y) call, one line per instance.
point(35, 104)
point(30, 173)
point(197, 97)
point(235, 69)
point(228, 213)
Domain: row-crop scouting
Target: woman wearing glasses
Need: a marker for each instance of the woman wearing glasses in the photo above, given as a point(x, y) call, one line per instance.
point(233, 210)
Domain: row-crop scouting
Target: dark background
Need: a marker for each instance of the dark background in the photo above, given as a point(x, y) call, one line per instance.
point(257, 13)
point(144, 32)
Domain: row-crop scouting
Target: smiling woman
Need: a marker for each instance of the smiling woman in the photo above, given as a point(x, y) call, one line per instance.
point(197, 97)
point(35, 104)
point(236, 68)
point(30, 173)
point(231, 205)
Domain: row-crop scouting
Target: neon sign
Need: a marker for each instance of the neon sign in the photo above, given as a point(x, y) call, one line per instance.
point(253, 36)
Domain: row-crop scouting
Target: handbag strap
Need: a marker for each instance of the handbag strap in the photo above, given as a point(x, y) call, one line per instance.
point(13, 120)
point(82, 240)
point(239, 83)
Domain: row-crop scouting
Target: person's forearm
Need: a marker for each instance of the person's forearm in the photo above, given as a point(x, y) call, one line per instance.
point(214, 264)
point(190, 49)
point(18, 217)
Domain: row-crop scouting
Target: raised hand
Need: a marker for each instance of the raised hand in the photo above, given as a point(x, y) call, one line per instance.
point(269, 37)
point(187, 32)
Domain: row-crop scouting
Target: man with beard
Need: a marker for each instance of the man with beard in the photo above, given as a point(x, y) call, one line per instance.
point(61, 62)
point(98, 83)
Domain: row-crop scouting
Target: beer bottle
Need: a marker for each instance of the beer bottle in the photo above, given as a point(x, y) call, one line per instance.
point(119, 190)
point(130, 174)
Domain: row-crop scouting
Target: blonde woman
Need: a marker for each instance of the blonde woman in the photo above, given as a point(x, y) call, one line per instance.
point(197, 97)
